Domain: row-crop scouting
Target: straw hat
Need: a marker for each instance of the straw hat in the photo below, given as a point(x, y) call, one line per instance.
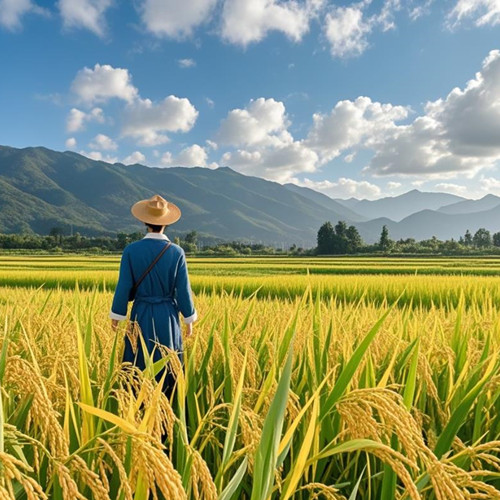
point(156, 210)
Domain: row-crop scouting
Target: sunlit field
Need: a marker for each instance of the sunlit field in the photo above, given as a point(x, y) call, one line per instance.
point(355, 378)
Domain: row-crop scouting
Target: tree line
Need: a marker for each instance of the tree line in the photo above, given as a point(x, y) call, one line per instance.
point(342, 239)
point(57, 241)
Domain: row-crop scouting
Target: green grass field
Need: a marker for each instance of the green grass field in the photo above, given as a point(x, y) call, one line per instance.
point(352, 378)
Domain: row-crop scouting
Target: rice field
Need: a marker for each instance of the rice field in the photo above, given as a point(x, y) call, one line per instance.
point(305, 379)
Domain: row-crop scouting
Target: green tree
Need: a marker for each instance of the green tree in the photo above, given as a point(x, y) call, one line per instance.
point(191, 237)
point(385, 242)
point(326, 236)
point(340, 242)
point(122, 239)
point(468, 239)
point(354, 241)
point(56, 233)
point(482, 238)
point(496, 239)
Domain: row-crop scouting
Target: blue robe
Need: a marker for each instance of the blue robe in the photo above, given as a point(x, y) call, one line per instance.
point(163, 293)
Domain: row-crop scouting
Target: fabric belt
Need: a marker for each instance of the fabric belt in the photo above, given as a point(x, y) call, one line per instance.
point(156, 299)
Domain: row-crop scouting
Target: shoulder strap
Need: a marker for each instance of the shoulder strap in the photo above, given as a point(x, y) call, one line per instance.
point(146, 272)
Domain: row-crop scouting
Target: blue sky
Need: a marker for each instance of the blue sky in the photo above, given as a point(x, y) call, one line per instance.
point(365, 99)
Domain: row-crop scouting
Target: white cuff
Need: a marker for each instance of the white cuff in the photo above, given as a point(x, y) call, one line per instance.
point(191, 318)
point(118, 317)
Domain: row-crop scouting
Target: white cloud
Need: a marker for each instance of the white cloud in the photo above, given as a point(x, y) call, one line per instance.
point(103, 142)
point(70, 143)
point(166, 158)
point(211, 144)
point(209, 102)
point(263, 122)
point(457, 134)
point(266, 147)
point(343, 188)
point(449, 187)
point(77, 119)
point(186, 63)
point(277, 163)
point(244, 21)
point(103, 83)
point(352, 123)
point(393, 185)
point(347, 28)
point(174, 19)
point(11, 12)
point(482, 12)
point(490, 185)
point(349, 158)
point(87, 14)
point(98, 156)
point(147, 121)
point(135, 157)
point(421, 9)
point(192, 156)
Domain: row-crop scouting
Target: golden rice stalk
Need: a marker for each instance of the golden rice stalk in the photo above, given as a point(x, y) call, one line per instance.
point(322, 491)
point(89, 478)
point(153, 465)
point(14, 469)
point(125, 487)
point(21, 378)
point(202, 482)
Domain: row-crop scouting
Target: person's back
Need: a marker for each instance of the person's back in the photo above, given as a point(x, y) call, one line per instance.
point(162, 293)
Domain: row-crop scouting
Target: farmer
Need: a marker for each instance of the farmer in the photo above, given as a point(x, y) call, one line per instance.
point(153, 273)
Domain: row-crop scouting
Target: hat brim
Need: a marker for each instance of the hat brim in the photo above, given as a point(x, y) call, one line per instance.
point(139, 211)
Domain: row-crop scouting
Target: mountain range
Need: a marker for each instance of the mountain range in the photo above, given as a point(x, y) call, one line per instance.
point(41, 189)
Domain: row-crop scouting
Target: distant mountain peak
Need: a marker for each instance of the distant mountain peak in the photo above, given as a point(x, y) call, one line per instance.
point(94, 197)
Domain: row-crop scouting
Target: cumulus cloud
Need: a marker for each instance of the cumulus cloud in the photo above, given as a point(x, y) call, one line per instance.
point(12, 11)
point(103, 142)
point(186, 63)
point(174, 19)
point(263, 122)
point(135, 157)
point(70, 143)
point(98, 156)
point(147, 121)
point(346, 31)
point(77, 119)
point(278, 163)
point(166, 158)
point(393, 185)
point(192, 156)
point(352, 123)
point(347, 28)
point(142, 119)
point(102, 83)
point(244, 22)
point(264, 145)
point(456, 134)
point(481, 12)
point(87, 14)
point(343, 188)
